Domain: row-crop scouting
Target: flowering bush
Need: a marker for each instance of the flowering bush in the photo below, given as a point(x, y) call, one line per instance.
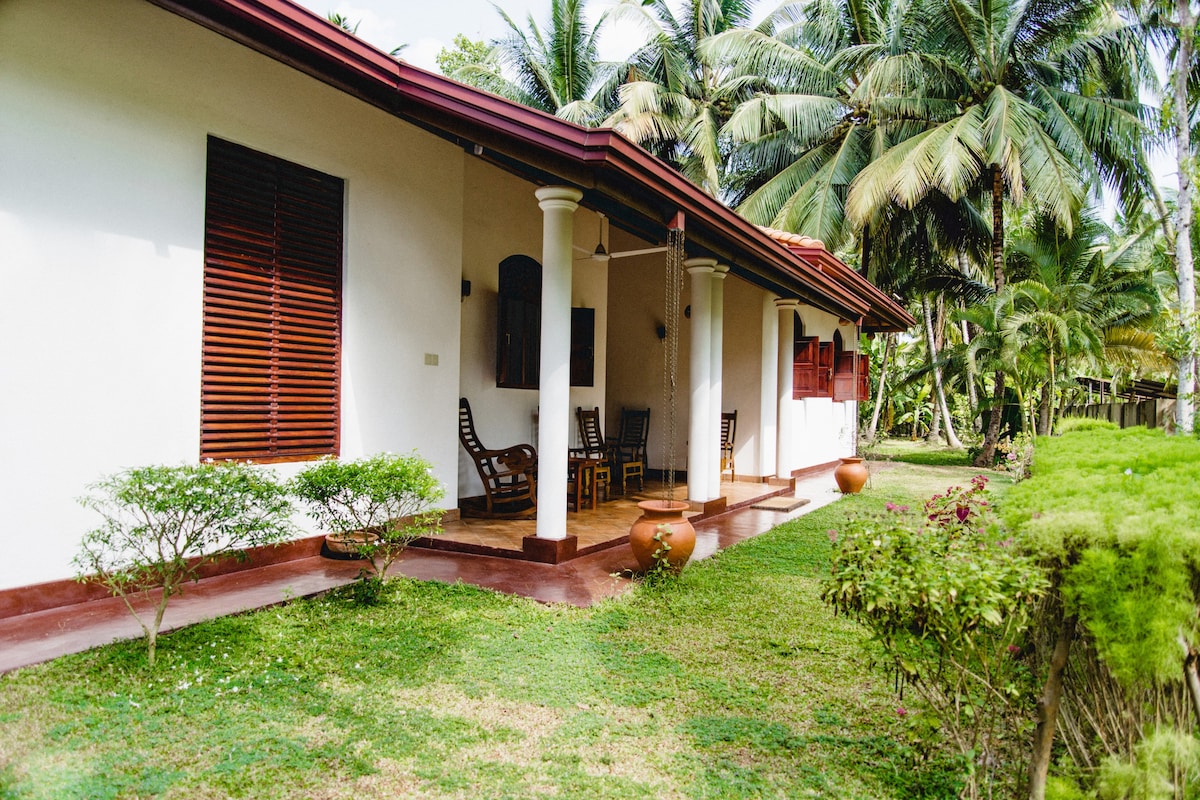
point(1015, 455)
point(948, 595)
point(391, 496)
point(162, 523)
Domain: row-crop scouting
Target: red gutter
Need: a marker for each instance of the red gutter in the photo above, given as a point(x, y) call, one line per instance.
point(308, 42)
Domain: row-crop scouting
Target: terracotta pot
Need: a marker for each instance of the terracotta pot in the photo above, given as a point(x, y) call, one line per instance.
point(346, 544)
point(681, 538)
point(851, 475)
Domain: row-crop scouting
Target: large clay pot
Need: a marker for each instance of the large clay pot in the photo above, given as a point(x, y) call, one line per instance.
point(348, 544)
point(681, 536)
point(851, 475)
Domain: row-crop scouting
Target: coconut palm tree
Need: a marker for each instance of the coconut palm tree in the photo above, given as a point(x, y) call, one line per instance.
point(1027, 100)
point(675, 102)
point(801, 142)
point(1172, 25)
point(555, 69)
point(1073, 289)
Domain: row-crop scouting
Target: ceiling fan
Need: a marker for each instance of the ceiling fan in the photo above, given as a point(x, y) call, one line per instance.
point(601, 254)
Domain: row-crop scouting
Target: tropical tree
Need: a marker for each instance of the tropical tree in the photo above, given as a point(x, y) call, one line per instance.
point(674, 101)
point(924, 256)
point(1172, 25)
point(1073, 290)
point(1182, 116)
point(555, 69)
point(1027, 100)
point(464, 52)
point(800, 144)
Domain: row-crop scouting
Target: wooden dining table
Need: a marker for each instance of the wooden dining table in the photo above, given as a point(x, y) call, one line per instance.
point(583, 471)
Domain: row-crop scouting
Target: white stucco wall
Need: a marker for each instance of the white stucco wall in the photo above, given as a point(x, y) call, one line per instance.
point(822, 429)
point(635, 354)
point(501, 218)
point(107, 106)
point(742, 370)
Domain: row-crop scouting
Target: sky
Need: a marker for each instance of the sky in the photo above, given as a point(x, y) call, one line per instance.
point(427, 26)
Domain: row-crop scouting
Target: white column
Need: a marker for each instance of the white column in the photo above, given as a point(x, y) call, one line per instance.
point(700, 363)
point(558, 204)
point(768, 405)
point(787, 332)
point(715, 399)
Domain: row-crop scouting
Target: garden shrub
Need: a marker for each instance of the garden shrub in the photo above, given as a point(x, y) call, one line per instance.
point(1075, 424)
point(1114, 516)
point(1165, 766)
point(162, 523)
point(389, 495)
point(949, 596)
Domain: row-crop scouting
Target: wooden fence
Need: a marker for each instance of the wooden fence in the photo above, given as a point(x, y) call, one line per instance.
point(1153, 413)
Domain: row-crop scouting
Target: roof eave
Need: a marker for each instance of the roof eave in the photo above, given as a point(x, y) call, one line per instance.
point(542, 147)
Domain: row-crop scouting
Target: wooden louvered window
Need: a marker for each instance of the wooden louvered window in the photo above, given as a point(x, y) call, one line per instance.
point(272, 308)
point(807, 363)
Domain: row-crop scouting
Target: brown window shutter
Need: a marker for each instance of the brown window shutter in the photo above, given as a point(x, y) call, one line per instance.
point(804, 368)
point(519, 323)
point(825, 369)
point(272, 308)
point(845, 387)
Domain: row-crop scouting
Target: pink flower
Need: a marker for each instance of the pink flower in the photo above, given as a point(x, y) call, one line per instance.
point(901, 711)
point(1013, 649)
point(832, 535)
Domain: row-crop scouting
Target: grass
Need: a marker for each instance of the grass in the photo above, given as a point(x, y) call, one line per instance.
point(917, 451)
point(734, 681)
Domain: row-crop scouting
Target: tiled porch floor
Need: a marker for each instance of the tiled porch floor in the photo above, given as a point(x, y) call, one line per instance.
point(31, 638)
point(609, 521)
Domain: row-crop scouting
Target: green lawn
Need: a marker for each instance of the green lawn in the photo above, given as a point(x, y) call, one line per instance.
point(735, 681)
point(917, 451)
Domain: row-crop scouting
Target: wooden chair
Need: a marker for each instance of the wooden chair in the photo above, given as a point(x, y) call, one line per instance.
point(728, 431)
point(508, 475)
point(627, 453)
point(593, 445)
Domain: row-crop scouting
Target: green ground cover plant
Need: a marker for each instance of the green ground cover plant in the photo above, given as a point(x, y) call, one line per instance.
point(733, 680)
point(1114, 517)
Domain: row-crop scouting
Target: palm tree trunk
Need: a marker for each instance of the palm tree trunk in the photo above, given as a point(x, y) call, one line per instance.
point(972, 390)
point(935, 419)
point(1186, 283)
point(998, 226)
point(1043, 422)
point(988, 454)
point(864, 268)
point(888, 347)
point(938, 389)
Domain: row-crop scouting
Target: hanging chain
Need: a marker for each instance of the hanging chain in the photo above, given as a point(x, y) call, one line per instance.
point(674, 287)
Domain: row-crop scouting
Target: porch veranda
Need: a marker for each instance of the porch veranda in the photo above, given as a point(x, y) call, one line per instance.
point(595, 529)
